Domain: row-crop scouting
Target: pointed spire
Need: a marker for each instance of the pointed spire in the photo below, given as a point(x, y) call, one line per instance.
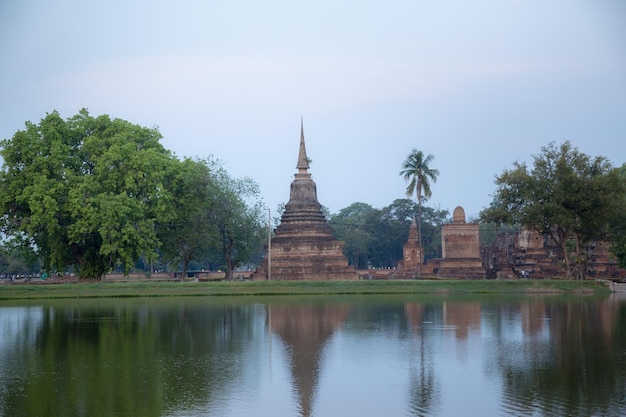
point(413, 235)
point(303, 160)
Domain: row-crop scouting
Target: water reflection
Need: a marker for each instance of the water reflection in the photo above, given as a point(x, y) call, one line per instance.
point(568, 360)
point(423, 387)
point(129, 358)
point(305, 328)
point(314, 357)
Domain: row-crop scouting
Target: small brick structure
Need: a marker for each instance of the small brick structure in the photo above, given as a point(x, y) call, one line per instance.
point(460, 244)
point(412, 254)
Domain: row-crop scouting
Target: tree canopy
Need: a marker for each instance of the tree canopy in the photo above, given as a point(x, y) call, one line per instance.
point(187, 233)
point(84, 192)
point(237, 218)
point(567, 195)
point(375, 237)
point(417, 172)
point(91, 194)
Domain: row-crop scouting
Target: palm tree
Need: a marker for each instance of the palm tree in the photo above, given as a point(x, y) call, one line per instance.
point(416, 170)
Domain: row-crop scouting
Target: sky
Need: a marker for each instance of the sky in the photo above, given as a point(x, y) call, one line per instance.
point(476, 84)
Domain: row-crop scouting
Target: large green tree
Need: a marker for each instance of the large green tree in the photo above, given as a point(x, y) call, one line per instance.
point(189, 233)
point(350, 225)
point(417, 171)
point(567, 195)
point(237, 216)
point(84, 193)
point(390, 228)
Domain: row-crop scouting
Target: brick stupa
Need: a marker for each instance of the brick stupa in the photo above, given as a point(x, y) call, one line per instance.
point(460, 246)
point(412, 250)
point(303, 246)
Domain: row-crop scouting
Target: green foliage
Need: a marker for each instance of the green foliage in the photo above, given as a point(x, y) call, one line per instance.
point(375, 237)
point(186, 232)
point(84, 192)
point(490, 231)
point(567, 195)
point(618, 225)
point(419, 174)
point(350, 225)
point(237, 216)
point(390, 229)
point(618, 248)
point(12, 262)
point(432, 220)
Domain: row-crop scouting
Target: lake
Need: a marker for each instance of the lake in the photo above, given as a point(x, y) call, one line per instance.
point(314, 356)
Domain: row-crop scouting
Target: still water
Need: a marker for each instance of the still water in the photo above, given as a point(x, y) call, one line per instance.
point(314, 356)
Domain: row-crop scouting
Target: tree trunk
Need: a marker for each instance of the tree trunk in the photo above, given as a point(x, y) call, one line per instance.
point(560, 239)
point(228, 256)
point(580, 269)
point(185, 266)
point(419, 235)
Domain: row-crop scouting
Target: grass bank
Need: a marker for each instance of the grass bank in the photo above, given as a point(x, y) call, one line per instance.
point(247, 288)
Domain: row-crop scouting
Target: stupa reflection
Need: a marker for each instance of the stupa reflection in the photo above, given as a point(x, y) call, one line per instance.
point(305, 329)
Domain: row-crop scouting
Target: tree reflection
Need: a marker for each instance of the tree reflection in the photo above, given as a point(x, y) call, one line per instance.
point(539, 355)
point(576, 370)
point(126, 359)
point(424, 392)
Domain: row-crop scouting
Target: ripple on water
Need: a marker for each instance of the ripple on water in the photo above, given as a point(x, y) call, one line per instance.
point(558, 403)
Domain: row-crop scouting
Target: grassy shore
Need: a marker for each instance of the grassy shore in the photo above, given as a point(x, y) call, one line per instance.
point(247, 288)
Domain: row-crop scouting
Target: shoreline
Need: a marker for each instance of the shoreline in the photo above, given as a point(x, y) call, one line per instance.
point(146, 288)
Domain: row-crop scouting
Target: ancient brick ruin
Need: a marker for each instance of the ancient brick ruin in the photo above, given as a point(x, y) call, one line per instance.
point(304, 246)
point(528, 254)
point(461, 254)
point(412, 254)
point(521, 254)
point(460, 244)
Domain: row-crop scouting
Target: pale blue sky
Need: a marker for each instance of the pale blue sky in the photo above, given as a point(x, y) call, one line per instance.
point(478, 84)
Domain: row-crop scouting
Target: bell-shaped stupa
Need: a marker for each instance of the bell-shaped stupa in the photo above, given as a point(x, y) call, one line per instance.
point(303, 246)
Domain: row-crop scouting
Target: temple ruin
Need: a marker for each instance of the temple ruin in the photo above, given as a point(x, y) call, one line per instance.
point(460, 244)
point(529, 254)
point(303, 246)
point(412, 250)
point(412, 263)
